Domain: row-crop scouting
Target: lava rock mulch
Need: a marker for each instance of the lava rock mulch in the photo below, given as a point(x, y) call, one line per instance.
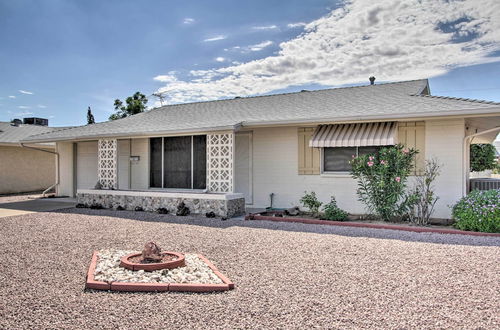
point(287, 275)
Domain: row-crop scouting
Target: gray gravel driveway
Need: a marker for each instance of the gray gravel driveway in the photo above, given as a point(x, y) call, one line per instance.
point(287, 275)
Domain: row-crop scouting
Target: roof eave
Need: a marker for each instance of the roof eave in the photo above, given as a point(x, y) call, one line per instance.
point(137, 135)
point(457, 113)
point(17, 144)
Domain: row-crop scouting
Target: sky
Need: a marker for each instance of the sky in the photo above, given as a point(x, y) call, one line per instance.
point(58, 57)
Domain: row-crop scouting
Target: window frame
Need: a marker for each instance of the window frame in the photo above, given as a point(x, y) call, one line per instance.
point(192, 189)
point(339, 173)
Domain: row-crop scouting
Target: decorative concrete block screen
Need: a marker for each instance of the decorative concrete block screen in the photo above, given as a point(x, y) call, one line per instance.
point(220, 162)
point(107, 163)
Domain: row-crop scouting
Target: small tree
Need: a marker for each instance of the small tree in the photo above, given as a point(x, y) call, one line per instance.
point(382, 179)
point(482, 157)
point(90, 117)
point(135, 104)
point(422, 197)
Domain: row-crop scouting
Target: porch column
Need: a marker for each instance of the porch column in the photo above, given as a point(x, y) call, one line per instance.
point(220, 164)
point(107, 163)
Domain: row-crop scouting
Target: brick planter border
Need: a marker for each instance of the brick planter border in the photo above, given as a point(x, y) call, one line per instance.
point(91, 283)
point(125, 263)
point(370, 225)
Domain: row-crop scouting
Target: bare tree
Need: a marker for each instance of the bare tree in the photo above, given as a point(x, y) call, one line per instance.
point(423, 196)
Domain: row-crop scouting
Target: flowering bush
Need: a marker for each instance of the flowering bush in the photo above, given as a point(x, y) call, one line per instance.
point(478, 211)
point(382, 179)
point(333, 212)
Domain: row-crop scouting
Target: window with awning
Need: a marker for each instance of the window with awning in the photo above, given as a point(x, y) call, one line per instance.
point(354, 135)
point(341, 142)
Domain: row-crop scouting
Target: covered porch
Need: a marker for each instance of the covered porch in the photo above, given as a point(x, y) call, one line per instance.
point(158, 172)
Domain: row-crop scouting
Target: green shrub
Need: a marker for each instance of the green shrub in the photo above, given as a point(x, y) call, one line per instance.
point(310, 201)
point(482, 157)
point(478, 211)
point(333, 212)
point(382, 179)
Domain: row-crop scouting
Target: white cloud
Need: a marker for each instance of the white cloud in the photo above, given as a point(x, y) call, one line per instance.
point(390, 39)
point(296, 25)
point(12, 97)
point(260, 46)
point(266, 27)
point(24, 107)
point(25, 92)
point(168, 78)
point(41, 106)
point(216, 38)
point(188, 20)
point(251, 48)
point(220, 59)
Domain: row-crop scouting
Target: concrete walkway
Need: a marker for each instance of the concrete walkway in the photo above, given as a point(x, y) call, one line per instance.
point(35, 205)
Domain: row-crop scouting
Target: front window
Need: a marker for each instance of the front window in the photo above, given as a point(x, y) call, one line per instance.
point(337, 159)
point(178, 162)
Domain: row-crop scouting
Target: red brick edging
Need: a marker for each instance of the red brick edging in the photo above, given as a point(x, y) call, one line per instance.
point(91, 283)
point(370, 225)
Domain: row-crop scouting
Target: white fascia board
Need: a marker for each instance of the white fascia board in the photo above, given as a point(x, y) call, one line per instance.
point(194, 131)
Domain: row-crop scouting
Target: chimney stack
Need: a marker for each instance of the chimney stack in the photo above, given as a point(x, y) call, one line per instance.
point(372, 80)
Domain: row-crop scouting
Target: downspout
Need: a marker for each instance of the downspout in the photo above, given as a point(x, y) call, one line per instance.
point(57, 165)
point(466, 160)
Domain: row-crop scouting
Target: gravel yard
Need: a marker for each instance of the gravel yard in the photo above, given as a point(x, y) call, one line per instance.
point(287, 275)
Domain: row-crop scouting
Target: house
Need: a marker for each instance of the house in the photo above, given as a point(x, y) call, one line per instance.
point(25, 169)
point(227, 154)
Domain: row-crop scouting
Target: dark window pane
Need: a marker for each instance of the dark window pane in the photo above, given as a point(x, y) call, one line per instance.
point(199, 161)
point(155, 163)
point(177, 162)
point(369, 150)
point(337, 159)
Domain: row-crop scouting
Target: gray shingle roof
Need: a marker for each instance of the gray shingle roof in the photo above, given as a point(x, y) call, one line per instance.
point(382, 101)
point(10, 134)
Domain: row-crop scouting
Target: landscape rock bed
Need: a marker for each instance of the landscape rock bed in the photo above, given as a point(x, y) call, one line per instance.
point(198, 275)
point(293, 275)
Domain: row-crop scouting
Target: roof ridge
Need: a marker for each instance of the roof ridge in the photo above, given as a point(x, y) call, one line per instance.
point(457, 98)
point(289, 93)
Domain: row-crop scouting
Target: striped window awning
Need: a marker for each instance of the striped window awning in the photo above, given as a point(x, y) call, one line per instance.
point(355, 135)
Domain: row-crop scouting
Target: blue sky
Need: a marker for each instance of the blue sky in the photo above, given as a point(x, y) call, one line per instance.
point(59, 57)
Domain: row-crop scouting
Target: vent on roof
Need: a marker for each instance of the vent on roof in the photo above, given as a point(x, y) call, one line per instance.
point(372, 80)
point(36, 121)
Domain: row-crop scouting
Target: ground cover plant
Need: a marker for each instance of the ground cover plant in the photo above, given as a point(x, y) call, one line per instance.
point(333, 212)
point(478, 211)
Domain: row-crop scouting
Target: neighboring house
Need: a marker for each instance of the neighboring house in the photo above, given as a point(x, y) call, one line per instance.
point(212, 154)
point(25, 169)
